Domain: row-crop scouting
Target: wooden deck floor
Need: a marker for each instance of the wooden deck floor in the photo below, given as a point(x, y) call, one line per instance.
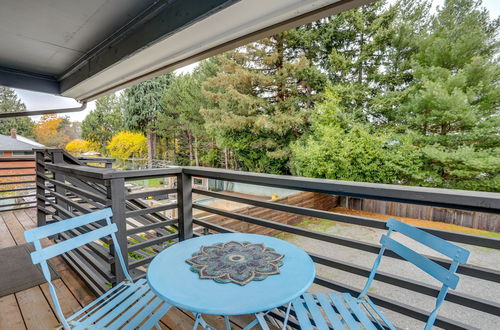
point(32, 308)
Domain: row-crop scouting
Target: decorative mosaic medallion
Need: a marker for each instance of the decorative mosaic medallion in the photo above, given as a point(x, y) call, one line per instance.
point(237, 262)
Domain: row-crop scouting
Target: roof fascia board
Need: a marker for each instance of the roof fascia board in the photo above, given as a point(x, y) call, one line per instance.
point(31, 81)
point(319, 13)
point(167, 20)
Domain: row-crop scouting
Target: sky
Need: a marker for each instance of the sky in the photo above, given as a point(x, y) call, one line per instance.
point(40, 101)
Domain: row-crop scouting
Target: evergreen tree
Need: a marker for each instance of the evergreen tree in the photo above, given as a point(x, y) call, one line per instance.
point(182, 102)
point(261, 99)
point(9, 102)
point(104, 121)
point(142, 108)
point(453, 103)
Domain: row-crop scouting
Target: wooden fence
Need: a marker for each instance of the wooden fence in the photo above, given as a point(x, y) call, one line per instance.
point(477, 220)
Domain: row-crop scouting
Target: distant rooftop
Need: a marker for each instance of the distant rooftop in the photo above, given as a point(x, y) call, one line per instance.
point(20, 143)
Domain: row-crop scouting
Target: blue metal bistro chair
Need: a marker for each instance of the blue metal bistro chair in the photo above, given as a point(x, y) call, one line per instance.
point(127, 305)
point(344, 311)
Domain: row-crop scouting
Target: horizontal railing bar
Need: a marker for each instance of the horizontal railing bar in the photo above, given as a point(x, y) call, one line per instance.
point(101, 268)
point(97, 161)
point(150, 242)
point(19, 203)
point(97, 289)
point(448, 198)
point(17, 189)
point(79, 191)
point(100, 250)
point(141, 262)
point(146, 194)
point(148, 210)
point(411, 311)
point(69, 201)
point(470, 270)
point(15, 175)
point(16, 182)
point(56, 206)
point(19, 208)
point(17, 159)
point(151, 226)
point(146, 219)
point(138, 204)
point(107, 159)
point(489, 242)
point(149, 173)
point(18, 196)
point(103, 173)
point(83, 269)
point(212, 226)
point(420, 287)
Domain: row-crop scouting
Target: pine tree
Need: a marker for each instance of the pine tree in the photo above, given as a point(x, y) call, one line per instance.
point(453, 103)
point(261, 99)
point(182, 102)
point(9, 102)
point(142, 108)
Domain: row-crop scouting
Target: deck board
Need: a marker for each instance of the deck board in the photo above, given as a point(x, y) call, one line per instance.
point(10, 314)
point(69, 303)
point(6, 238)
point(32, 308)
point(35, 309)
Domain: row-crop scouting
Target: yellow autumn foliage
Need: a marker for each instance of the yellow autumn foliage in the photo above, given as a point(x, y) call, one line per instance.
point(127, 145)
point(78, 146)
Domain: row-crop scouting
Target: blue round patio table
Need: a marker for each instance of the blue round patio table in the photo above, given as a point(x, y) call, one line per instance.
point(170, 277)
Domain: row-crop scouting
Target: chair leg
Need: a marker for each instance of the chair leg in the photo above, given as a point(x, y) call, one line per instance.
point(287, 314)
point(226, 320)
point(259, 319)
point(200, 321)
point(262, 321)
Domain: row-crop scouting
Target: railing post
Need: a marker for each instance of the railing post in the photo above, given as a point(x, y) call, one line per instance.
point(116, 194)
point(185, 202)
point(41, 216)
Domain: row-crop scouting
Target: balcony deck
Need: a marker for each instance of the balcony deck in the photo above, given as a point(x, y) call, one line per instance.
point(32, 308)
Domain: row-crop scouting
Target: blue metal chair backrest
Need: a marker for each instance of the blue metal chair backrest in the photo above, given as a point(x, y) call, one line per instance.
point(41, 255)
point(448, 277)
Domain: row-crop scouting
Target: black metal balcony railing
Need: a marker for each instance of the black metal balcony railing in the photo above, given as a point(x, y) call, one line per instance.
point(67, 187)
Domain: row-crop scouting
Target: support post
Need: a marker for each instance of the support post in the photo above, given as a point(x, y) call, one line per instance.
point(116, 193)
point(185, 202)
point(41, 216)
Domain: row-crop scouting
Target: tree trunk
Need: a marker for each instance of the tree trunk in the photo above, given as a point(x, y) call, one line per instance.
point(150, 150)
point(279, 65)
point(190, 144)
point(360, 69)
point(154, 139)
point(196, 161)
point(226, 159)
